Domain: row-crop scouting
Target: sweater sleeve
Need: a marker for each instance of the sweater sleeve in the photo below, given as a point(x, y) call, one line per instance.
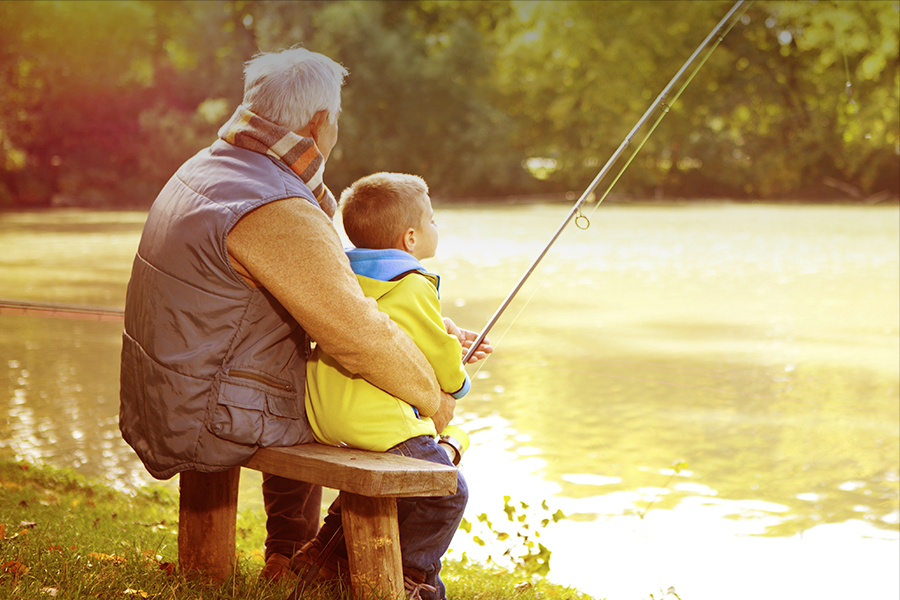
point(291, 248)
point(419, 315)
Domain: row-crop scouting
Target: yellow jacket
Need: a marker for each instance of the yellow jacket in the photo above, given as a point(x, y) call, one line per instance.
point(345, 409)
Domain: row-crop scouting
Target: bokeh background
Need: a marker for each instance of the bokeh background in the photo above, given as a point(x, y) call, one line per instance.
point(103, 100)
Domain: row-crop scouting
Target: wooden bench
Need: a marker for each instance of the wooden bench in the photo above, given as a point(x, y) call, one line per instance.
point(370, 483)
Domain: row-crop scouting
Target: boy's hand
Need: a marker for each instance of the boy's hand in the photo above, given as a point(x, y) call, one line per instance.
point(466, 339)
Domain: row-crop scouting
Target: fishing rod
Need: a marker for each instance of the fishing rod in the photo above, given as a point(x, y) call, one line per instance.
point(660, 101)
point(60, 311)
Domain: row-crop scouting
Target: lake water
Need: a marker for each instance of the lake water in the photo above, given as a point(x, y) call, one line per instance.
point(757, 347)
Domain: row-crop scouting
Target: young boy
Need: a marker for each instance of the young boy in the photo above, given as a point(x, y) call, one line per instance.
point(388, 217)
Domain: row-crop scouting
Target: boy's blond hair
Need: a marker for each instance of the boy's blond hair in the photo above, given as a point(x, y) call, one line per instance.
point(378, 209)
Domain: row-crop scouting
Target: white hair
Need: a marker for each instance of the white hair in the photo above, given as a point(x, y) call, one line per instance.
point(291, 86)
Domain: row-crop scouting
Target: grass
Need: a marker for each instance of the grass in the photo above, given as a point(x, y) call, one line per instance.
point(65, 537)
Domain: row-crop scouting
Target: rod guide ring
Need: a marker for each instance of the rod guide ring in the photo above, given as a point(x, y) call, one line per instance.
point(582, 222)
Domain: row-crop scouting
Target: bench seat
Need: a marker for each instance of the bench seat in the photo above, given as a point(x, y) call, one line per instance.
point(370, 483)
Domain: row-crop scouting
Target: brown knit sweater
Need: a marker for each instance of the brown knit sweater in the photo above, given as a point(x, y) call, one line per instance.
point(292, 249)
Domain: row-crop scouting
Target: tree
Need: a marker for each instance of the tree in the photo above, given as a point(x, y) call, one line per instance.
point(849, 55)
point(68, 98)
point(765, 116)
point(579, 75)
point(101, 98)
point(773, 115)
point(419, 97)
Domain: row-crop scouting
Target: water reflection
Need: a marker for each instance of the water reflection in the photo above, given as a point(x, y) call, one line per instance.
point(746, 434)
point(758, 345)
point(61, 380)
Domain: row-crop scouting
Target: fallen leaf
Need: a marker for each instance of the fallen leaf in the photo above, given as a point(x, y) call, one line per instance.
point(168, 568)
point(2, 531)
point(14, 567)
point(54, 548)
point(27, 524)
point(108, 557)
point(50, 591)
point(159, 525)
point(139, 593)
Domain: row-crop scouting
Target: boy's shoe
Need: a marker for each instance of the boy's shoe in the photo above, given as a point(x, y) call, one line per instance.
point(309, 564)
point(278, 566)
point(415, 586)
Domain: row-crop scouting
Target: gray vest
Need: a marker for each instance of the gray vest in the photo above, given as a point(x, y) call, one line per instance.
point(212, 369)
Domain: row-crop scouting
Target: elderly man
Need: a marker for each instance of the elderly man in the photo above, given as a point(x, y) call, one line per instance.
point(239, 267)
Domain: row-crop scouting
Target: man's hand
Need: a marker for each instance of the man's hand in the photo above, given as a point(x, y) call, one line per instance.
point(466, 339)
point(444, 414)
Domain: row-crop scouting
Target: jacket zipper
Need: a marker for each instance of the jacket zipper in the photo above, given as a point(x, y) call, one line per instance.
point(259, 379)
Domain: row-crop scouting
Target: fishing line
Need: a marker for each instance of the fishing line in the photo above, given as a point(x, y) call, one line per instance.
point(848, 89)
point(60, 311)
point(719, 32)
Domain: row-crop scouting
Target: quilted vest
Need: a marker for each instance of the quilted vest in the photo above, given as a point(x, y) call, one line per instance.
point(212, 369)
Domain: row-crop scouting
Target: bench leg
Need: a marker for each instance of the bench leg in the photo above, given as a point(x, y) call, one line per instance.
point(373, 545)
point(206, 522)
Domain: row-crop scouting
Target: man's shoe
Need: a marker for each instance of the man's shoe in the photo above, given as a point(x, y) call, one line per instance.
point(278, 566)
point(310, 564)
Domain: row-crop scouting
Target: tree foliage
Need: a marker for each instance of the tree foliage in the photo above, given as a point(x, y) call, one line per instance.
point(422, 101)
point(767, 115)
point(103, 100)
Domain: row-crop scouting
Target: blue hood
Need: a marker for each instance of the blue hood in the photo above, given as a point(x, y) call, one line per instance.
point(384, 265)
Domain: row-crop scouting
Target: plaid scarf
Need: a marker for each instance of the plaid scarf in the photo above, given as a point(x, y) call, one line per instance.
point(251, 132)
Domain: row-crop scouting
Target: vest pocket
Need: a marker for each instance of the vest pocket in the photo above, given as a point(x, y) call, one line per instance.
point(252, 413)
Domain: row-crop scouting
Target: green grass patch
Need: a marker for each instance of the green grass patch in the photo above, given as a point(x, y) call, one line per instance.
point(65, 537)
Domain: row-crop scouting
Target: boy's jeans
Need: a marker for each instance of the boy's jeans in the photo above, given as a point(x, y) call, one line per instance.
point(426, 524)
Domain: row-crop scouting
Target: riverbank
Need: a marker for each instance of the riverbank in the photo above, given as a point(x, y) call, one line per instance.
point(65, 536)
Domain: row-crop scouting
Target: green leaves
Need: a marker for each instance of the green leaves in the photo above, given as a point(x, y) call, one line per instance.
point(518, 547)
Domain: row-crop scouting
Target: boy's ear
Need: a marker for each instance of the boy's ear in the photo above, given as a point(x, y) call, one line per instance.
point(408, 240)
